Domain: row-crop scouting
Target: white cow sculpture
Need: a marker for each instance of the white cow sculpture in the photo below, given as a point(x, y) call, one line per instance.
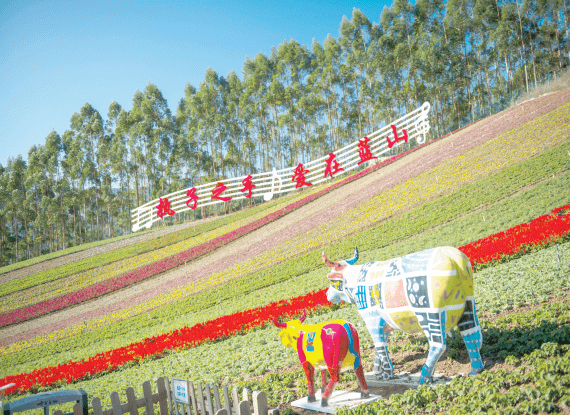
point(429, 291)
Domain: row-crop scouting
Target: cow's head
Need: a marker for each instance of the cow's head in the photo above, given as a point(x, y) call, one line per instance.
point(290, 331)
point(337, 279)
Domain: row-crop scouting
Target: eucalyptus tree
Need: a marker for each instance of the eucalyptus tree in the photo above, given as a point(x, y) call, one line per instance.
point(14, 207)
point(4, 229)
point(292, 65)
point(118, 125)
point(72, 164)
point(53, 150)
point(239, 145)
point(257, 74)
point(459, 27)
point(187, 140)
point(88, 126)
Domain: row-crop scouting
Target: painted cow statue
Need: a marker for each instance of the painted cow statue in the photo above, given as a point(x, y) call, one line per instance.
point(333, 345)
point(429, 291)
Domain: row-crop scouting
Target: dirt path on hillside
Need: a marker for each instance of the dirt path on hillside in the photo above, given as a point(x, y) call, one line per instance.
point(89, 252)
point(310, 216)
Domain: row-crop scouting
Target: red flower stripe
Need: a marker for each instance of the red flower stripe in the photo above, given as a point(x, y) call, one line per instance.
point(131, 277)
point(540, 230)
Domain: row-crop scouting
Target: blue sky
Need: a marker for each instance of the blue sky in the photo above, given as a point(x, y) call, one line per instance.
point(57, 55)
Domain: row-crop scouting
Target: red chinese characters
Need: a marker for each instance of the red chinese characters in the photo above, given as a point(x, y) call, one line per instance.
point(248, 186)
point(218, 190)
point(164, 207)
point(396, 138)
point(193, 197)
point(332, 166)
point(364, 151)
point(299, 176)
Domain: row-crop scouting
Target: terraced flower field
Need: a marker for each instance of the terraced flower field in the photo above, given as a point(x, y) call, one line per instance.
point(463, 188)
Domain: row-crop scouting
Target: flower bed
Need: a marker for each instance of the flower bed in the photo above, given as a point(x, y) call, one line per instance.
point(541, 230)
point(544, 228)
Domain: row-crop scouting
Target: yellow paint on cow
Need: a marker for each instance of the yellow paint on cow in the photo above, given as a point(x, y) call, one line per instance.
point(290, 335)
point(406, 321)
point(376, 295)
point(377, 271)
point(450, 290)
point(452, 317)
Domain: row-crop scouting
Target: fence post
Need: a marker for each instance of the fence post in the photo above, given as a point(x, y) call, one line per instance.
point(217, 402)
point(192, 398)
point(116, 404)
point(132, 401)
point(210, 406)
point(147, 392)
point(201, 399)
point(244, 408)
point(235, 398)
point(227, 405)
point(162, 397)
point(260, 406)
point(96, 405)
point(170, 394)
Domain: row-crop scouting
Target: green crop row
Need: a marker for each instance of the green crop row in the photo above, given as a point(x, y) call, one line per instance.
point(277, 283)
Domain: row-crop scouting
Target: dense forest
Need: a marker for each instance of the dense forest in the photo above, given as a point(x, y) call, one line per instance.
point(466, 57)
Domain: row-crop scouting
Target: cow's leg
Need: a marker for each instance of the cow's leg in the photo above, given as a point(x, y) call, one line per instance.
point(354, 348)
point(377, 326)
point(472, 336)
point(359, 371)
point(334, 372)
point(310, 374)
point(323, 381)
point(433, 325)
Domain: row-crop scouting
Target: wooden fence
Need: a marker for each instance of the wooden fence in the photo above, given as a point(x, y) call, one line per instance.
point(203, 400)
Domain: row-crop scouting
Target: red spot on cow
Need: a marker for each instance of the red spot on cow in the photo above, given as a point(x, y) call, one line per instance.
point(395, 295)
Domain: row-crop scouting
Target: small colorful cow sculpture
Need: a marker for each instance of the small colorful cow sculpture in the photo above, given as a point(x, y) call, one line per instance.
point(429, 291)
point(333, 345)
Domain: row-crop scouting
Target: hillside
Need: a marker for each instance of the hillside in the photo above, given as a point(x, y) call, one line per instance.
point(403, 204)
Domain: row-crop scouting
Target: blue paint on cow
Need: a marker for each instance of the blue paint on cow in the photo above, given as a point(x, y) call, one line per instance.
point(351, 345)
point(417, 261)
point(311, 341)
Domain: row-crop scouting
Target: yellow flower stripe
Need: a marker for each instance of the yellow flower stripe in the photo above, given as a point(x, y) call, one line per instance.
point(516, 145)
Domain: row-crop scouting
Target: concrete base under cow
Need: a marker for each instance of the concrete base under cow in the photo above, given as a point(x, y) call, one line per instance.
point(338, 399)
point(405, 378)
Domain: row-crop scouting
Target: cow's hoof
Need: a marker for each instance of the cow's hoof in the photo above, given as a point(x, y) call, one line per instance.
point(364, 395)
point(384, 376)
point(311, 398)
point(324, 402)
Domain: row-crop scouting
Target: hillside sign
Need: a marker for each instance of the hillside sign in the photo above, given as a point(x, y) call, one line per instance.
point(414, 125)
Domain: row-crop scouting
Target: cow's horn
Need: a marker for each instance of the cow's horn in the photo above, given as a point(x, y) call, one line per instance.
point(327, 262)
point(353, 259)
point(278, 324)
point(304, 316)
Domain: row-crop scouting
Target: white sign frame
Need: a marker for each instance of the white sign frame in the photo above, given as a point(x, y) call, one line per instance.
point(180, 391)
